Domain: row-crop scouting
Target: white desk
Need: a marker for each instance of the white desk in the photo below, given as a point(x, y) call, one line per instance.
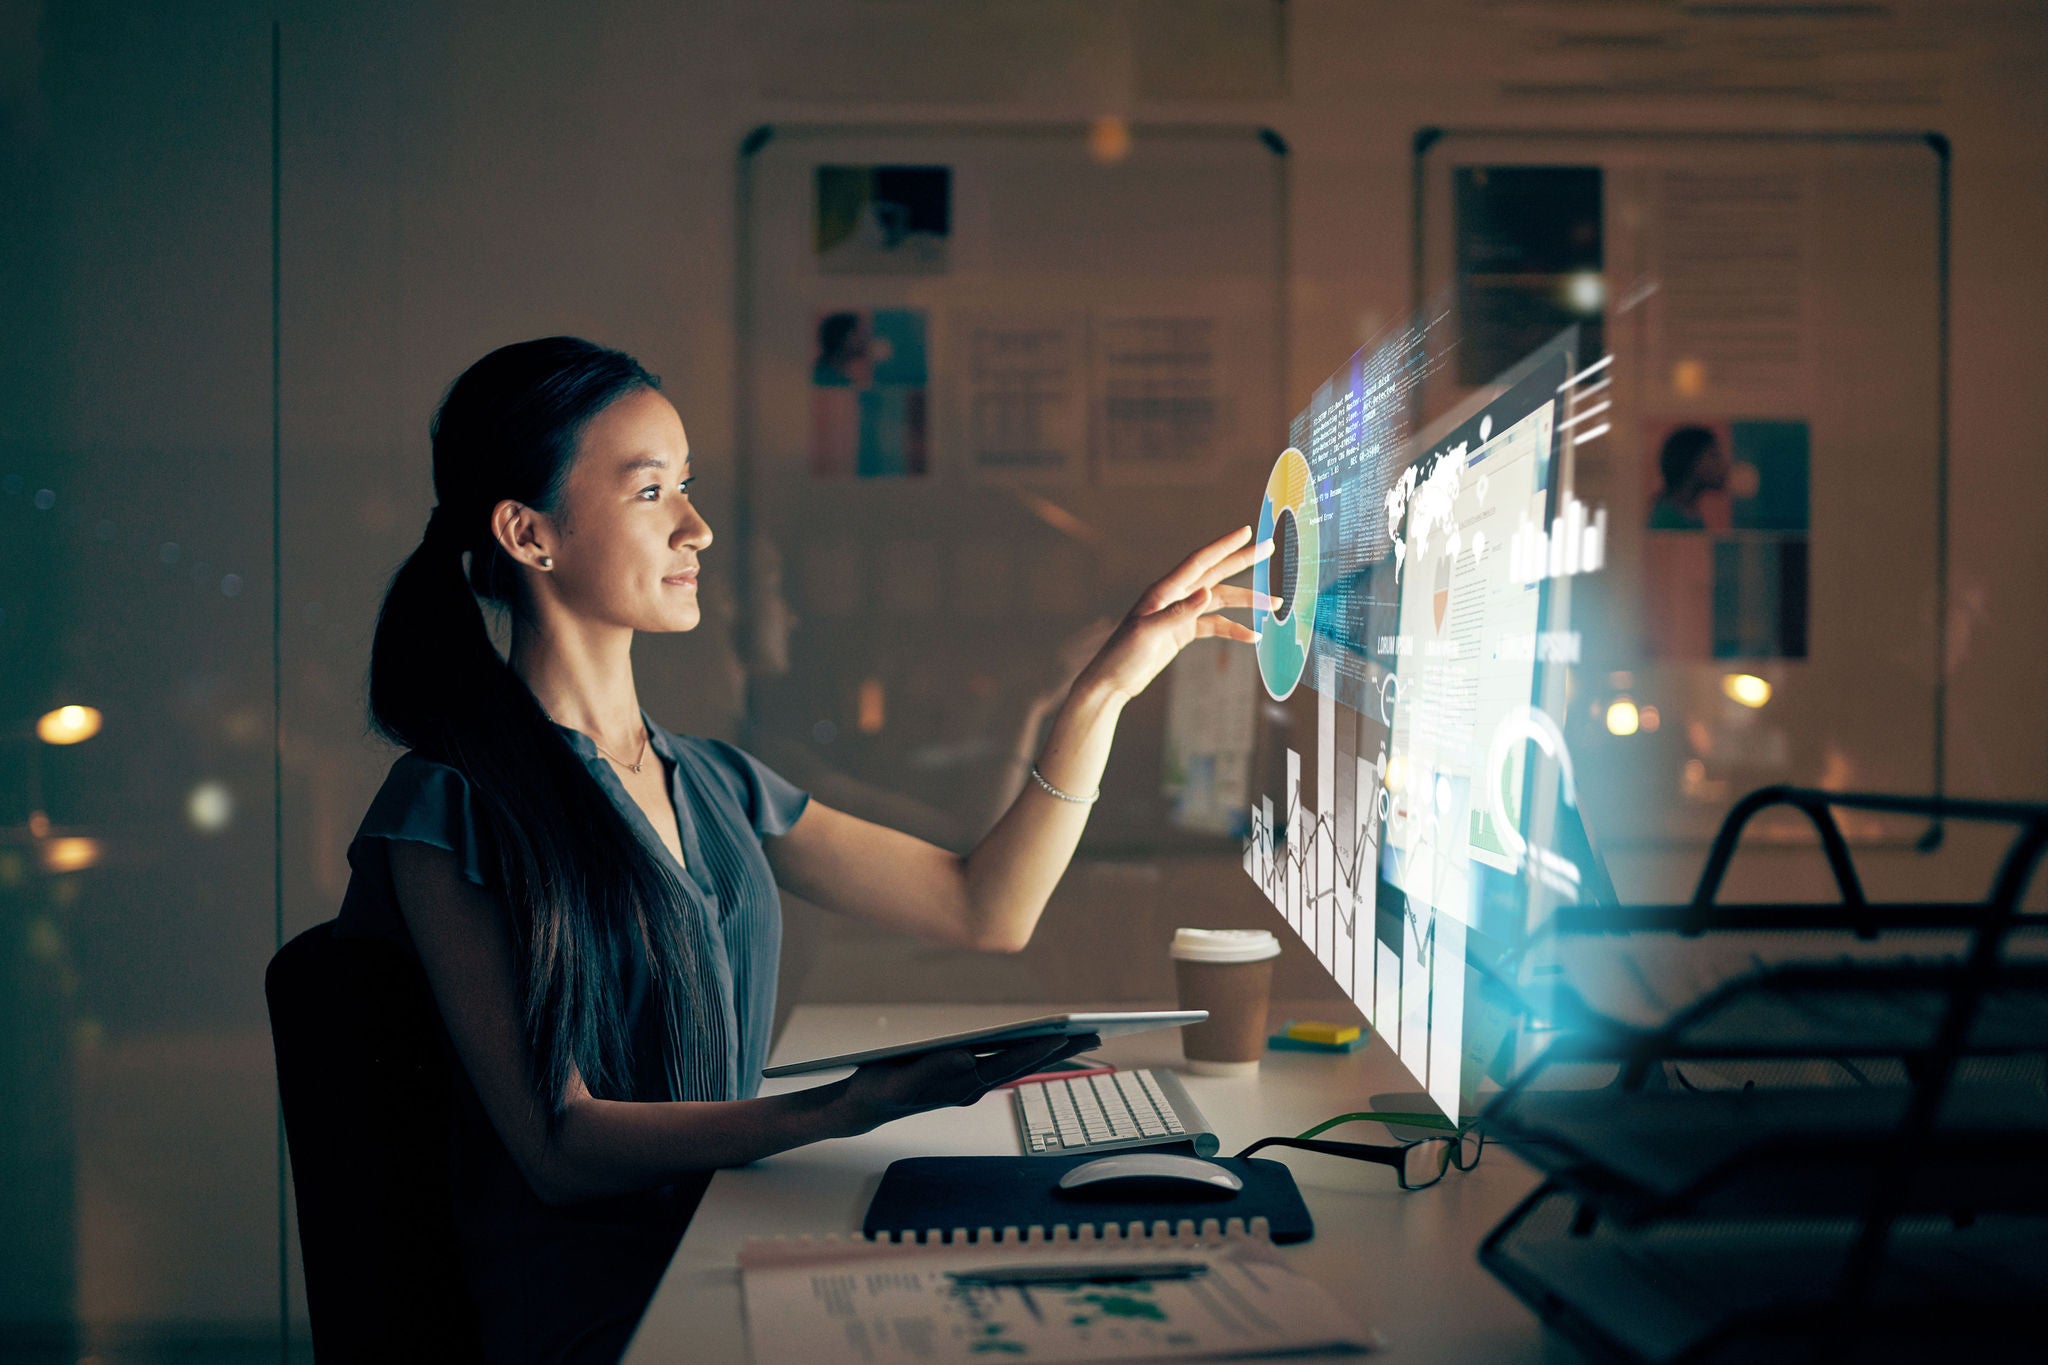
point(1405, 1263)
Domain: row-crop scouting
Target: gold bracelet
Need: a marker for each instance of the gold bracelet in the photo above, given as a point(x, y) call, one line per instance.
point(1089, 800)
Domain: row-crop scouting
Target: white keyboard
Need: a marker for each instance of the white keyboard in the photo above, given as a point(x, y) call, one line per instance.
point(1102, 1113)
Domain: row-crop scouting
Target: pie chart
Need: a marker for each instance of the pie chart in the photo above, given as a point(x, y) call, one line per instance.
point(1291, 577)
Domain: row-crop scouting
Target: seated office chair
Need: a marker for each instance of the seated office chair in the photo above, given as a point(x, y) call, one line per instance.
point(363, 1076)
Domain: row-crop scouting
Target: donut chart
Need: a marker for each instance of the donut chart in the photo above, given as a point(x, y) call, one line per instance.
point(1291, 519)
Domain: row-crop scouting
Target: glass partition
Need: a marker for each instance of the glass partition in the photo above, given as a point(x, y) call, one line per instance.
point(139, 1159)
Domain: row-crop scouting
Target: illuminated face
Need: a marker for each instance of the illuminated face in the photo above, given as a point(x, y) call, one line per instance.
point(629, 538)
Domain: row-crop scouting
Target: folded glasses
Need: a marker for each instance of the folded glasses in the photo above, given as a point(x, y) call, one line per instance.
point(1425, 1146)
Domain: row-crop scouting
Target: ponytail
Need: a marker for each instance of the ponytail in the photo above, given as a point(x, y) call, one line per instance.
point(584, 892)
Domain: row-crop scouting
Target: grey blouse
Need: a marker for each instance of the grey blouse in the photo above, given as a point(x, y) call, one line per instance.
point(726, 802)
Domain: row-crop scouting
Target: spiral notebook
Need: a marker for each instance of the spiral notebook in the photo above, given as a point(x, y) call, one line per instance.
point(1221, 1292)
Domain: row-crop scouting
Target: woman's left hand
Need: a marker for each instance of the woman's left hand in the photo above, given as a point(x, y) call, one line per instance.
point(1179, 608)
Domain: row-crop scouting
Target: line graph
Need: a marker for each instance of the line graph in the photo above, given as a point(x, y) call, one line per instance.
point(1319, 867)
point(1316, 885)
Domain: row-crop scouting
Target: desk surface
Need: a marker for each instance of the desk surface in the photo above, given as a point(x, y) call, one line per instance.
point(1405, 1263)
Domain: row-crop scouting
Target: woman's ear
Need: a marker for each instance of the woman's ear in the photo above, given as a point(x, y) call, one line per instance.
point(525, 536)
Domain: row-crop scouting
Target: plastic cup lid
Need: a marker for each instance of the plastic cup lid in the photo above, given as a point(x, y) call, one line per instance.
point(1224, 945)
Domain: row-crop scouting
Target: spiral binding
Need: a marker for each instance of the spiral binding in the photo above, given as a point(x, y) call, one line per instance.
point(1186, 1233)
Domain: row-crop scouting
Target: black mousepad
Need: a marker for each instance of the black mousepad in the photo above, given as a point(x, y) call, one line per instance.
point(923, 1196)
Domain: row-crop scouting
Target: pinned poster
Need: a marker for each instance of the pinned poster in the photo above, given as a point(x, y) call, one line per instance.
point(883, 220)
point(869, 379)
point(1726, 559)
point(1731, 322)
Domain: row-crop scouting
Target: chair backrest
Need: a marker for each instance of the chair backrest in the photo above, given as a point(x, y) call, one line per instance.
point(363, 1074)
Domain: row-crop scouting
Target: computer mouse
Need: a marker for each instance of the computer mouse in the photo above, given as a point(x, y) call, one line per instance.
point(1140, 1175)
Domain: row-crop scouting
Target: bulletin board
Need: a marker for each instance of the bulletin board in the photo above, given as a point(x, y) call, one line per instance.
point(993, 381)
point(1779, 301)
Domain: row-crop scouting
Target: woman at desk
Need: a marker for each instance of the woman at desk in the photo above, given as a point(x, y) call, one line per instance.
point(593, 899)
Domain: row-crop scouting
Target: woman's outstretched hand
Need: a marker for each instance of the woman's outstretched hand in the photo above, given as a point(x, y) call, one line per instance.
point(1180, 608)
point(881, 1091)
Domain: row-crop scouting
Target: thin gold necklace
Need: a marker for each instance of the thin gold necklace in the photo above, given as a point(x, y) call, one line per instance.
point(601, 749)
point(620, 761)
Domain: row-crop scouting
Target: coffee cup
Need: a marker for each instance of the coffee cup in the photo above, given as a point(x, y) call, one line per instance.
point(1228, 972)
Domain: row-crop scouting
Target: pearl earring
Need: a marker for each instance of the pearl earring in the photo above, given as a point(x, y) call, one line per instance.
point(547, 561)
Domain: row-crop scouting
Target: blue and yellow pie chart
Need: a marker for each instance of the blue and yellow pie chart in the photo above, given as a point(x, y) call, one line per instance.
point(1291, 577)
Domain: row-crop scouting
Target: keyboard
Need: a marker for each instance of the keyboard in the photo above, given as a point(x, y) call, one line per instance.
point(1105, 1113)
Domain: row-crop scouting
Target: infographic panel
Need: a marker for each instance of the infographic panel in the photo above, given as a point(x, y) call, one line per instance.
point(1459, 605)
point(1422, 833)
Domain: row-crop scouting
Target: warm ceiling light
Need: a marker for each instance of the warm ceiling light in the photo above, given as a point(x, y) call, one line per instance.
point(71, 853)
point(1109, 139)
point(1622, 717)
point(1746, 689)
point(869, 709)
point(68, 725)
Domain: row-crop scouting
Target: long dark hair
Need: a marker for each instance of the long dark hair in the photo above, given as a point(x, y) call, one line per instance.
point(585, 893)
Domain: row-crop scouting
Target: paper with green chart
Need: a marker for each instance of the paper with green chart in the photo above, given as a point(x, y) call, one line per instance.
point(1072, 1300)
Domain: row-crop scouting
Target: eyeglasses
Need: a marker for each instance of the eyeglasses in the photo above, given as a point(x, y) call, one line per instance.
point(1419, 1158)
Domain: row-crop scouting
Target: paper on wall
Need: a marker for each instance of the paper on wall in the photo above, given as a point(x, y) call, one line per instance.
point(1730, 320)
point(1159, 412)
point(1021, 395)
point(1209, 736)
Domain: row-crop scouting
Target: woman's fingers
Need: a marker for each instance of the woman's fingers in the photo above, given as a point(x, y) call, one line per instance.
point(1236, 562)
point(1194, 571)
point(1223, 628)
point(1021, 1059)
point(1197, 565)
point(1017, 1059)
point(1079, 1043)
point(1181, 607)
point(1174, 588)
point(909, 1085)
point(1230, 595)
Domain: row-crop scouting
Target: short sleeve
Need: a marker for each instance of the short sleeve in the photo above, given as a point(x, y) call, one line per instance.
point(772, 802)
point(425, 802)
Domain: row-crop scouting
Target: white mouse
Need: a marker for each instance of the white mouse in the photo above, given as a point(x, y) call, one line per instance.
point(1151, 1166)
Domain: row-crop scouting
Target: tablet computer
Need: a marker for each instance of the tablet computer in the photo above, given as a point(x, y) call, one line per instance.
point(988, 1039)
